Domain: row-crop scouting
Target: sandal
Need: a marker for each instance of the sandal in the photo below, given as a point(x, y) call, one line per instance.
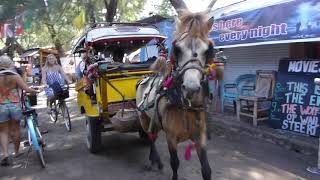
point(44, 131)
point(5, 161)
point(26, 144)
point(314, 170)
point(17, 155)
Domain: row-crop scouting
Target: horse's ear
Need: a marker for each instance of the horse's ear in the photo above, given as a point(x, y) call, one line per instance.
point(176, 20)
point(210, 23)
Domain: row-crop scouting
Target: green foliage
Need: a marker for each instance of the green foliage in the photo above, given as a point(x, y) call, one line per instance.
point(128, 10)
point(60, 14)
point(165, 9)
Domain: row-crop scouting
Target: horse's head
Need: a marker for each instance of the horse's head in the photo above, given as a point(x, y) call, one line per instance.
point(191, 51)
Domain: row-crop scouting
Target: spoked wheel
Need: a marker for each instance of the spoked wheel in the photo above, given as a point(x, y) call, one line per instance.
point(34, 139)
point(40, 157)
point(65, 115)
point(40, 151)
point(54, 113)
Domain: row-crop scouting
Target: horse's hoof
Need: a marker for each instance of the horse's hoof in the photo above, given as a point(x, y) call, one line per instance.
point(174, 177)
point(160, 166)
point(147, 168)
point(161, 171)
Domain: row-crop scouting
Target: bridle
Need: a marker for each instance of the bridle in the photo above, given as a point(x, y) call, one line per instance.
point(179, 71)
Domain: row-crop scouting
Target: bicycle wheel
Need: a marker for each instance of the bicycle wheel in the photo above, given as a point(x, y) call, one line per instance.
point(54, 113)
point(33, 137)
point(65, 115)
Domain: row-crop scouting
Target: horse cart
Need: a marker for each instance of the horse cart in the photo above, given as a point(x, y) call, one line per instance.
point(114, 57)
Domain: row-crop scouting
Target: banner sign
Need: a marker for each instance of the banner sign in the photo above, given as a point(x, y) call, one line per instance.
point(296, 103)
point(293, 21)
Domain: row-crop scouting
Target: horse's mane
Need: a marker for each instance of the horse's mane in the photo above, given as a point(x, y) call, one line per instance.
point(195, 24)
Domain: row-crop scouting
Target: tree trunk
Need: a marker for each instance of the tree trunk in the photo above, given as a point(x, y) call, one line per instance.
point(90, 12)
point(10, 40)
point(53, 32)
point(4, 50)
point(211, 4)
point(55, 39)
point(178, 5)
point(111, 6)
point(10, 46)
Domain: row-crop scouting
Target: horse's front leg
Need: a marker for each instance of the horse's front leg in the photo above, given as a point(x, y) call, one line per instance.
point(154, 156)
point(205, 166)
point(201, 149)
point(174, 159)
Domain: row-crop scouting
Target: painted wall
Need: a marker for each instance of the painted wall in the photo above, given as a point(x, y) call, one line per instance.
point(166, 28)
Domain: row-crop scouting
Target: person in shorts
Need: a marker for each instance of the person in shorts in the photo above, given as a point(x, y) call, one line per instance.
point(10, 106)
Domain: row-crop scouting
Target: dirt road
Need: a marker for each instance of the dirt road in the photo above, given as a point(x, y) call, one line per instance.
point(123, 157)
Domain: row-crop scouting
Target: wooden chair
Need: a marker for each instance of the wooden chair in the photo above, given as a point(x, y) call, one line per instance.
point(264, 90)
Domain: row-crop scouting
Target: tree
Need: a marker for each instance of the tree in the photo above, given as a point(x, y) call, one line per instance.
point(52, 24)
point(52, 20)
point(211, 4)
point(180, 4)
point(42, 17)
point(123, 10)
point(165, 9)
point(9, 10)
point(111, 6)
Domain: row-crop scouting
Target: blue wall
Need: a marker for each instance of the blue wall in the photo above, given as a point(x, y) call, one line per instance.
point(166, 28)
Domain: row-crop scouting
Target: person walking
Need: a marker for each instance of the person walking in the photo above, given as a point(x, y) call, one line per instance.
point(10, 107)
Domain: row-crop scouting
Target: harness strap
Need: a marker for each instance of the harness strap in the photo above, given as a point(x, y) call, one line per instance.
point(144, 103)
point(3, 72)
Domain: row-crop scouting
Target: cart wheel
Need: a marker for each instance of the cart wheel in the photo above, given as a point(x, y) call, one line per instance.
point(93, 134)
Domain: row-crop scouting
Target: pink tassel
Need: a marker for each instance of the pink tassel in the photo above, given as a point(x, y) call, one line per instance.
point(187, 154)
point(213, 72)
point(168, 82)
point(153, 136)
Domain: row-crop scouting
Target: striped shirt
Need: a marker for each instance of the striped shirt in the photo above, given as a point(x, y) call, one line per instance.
point(54, 76)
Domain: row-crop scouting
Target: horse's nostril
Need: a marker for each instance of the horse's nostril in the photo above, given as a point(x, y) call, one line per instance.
point(183, 86)
point(195, 55)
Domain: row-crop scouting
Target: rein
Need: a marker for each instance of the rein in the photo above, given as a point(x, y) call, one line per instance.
point(179, 71)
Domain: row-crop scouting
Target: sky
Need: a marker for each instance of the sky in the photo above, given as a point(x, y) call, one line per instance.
point(201, 5)
point(193, 5)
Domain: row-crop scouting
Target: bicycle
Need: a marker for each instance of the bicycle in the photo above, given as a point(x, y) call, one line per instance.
point(60, 108)
point(35, 138)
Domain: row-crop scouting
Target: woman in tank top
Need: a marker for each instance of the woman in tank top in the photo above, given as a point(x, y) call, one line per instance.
point(52, 73)
point(10, 106)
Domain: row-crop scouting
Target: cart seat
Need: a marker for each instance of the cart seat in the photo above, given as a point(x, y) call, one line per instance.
point(134, 66)
point(105, 66)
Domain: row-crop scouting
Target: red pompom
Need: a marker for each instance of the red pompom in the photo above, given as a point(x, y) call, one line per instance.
point(187, 154)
